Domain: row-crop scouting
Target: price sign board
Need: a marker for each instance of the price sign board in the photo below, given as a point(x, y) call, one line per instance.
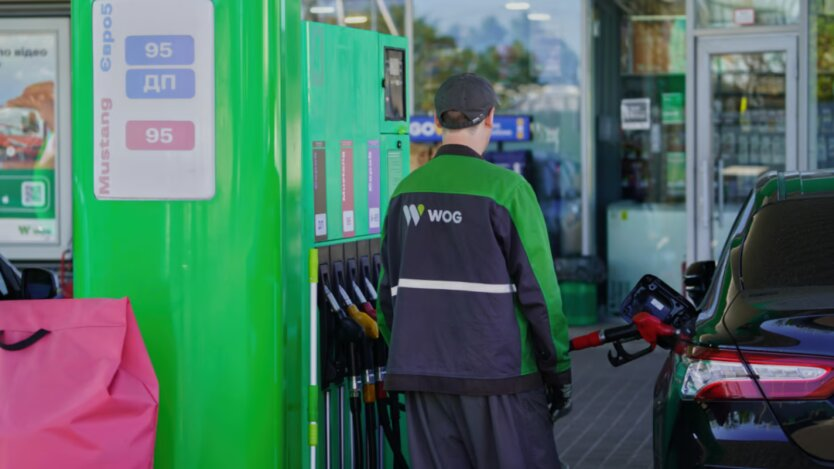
point(154, 99)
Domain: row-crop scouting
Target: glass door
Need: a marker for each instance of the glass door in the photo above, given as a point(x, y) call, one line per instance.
point(746, 104)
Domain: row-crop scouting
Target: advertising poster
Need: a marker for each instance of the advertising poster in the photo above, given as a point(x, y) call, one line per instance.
point(636, 114)
point(28, 144)
point(508, 128)
point(673, 108)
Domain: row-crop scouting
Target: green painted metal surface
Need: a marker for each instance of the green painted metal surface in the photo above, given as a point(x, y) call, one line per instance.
point(221, 287)
point(218, 286)
point(344, 120)
point(344, 103)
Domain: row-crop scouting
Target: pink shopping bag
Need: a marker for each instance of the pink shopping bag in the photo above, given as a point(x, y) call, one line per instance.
point(77, 389)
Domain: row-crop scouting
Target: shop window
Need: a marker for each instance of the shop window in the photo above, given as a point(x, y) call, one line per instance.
point(821, 92)
point(643, 127)
point(745, 13)
point(530, 51)
point(35, 191)
point(359, 14)
point(652, 114)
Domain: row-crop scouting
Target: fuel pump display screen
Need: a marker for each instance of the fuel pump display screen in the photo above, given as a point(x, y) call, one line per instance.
point(394, 84)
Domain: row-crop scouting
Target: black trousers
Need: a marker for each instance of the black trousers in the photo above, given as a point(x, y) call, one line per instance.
point(508, 431)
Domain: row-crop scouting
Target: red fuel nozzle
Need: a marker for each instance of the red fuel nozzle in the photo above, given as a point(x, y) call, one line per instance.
point(582, 342)
point(651, 327)
point(364, 303)
point(371, 289)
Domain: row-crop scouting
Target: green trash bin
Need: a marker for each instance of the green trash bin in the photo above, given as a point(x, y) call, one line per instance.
point(579, 301)
point(579, 277)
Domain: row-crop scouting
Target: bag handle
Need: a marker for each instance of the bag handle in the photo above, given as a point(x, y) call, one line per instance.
point(25, 343)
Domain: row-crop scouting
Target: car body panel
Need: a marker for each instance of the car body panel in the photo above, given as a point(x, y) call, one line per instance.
point(689, 433)
point(11, 284)
point(753, 433)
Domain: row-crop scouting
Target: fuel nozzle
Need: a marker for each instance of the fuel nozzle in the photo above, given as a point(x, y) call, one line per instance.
point(349, 330)
point(371, 290)
point(368, 325)
point(369, 389)
point(363, 302)
point(379, 350)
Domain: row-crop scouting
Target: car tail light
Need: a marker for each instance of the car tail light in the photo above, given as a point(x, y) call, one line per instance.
point(721, 375)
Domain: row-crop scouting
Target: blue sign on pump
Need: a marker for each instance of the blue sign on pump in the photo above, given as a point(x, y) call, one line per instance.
point(511, 129)
point(161, 83)
point(507, 129)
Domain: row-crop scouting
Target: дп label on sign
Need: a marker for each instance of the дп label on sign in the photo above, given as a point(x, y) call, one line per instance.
point(161, 84)
point(153, 73)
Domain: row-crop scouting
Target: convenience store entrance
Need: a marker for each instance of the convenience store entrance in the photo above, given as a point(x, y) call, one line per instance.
point(746, 122)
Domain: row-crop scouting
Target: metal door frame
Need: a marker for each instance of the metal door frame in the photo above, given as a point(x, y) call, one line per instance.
point(700, 210)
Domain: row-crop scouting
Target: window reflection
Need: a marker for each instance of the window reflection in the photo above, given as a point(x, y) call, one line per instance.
point(359, 14)
point(749, 103)
point(642, 138)
point(744, 13)
point(821, 86)
point(530, 51)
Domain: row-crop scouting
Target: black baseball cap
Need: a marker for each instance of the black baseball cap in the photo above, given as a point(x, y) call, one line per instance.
point(468, 94)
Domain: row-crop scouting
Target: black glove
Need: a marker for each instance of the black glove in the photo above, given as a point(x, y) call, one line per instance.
point(558, 400)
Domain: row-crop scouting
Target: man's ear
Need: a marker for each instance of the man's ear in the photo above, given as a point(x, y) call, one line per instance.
point(436, 122)
point(490, 119)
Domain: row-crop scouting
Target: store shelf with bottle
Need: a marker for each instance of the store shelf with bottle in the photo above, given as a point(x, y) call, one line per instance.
point(646, 227)
point(653, 66)
point(653, 45)
point(654, 160)
point(748, 122)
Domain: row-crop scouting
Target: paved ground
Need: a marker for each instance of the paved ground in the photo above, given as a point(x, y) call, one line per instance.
point(610, 424)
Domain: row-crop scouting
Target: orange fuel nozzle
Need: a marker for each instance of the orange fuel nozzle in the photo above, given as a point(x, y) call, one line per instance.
point(368, 325)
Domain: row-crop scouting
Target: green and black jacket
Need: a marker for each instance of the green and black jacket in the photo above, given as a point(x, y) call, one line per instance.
point(468, 286)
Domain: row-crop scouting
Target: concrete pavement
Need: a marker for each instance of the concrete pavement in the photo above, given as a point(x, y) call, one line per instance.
point(610, 425)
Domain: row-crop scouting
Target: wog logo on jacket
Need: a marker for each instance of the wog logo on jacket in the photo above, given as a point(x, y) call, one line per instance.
point(414, 213)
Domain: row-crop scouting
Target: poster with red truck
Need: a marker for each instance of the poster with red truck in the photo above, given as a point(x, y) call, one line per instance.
point(28, 145)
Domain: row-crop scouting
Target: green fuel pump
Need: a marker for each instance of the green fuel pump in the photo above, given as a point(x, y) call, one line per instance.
point(356, 152)
point(212, 154)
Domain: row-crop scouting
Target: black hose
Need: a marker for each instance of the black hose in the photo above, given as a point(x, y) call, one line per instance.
point(356, 406)
point(369, 393)
point(394, 403)
point(370, 429)
point(385, 423)
point(341, 427)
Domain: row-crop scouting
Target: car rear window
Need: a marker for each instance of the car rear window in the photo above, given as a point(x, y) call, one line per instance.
point(790, 244)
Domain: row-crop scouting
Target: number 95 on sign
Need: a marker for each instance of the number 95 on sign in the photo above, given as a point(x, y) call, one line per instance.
point(159, 50)
point(160, 135)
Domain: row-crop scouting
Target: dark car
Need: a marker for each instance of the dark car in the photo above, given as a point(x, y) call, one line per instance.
point(11, 281)
point(30, 284)
point(754, 387)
